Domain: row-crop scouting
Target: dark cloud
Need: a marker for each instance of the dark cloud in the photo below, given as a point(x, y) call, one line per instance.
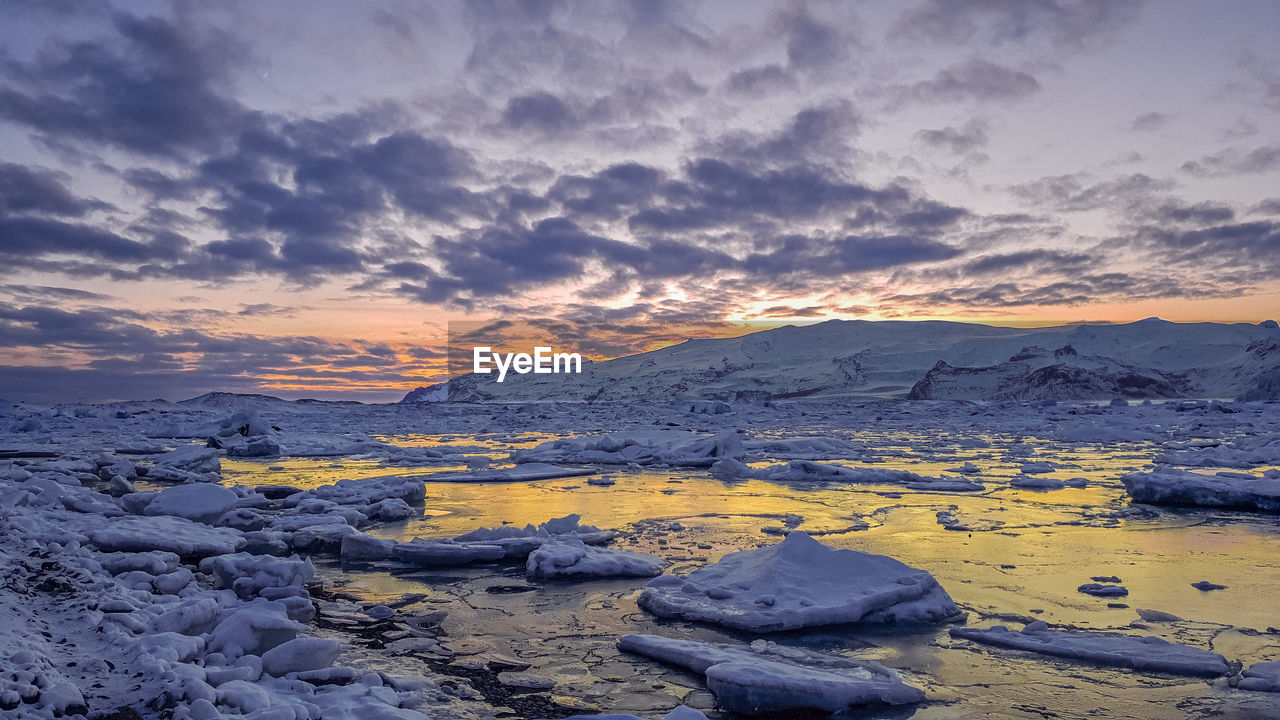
point(1150, 121)
point(760, 80)
point(814, 43)
point(818, 135)
point(979, 80)
point(539, 112)
point(973, 136)
point(1251, 249)
point(1068, 23)
point(825, 257)
point(155, 88)
point(1078, 193)
point(37, 190)
point(1260, 160)
point(1044, 261)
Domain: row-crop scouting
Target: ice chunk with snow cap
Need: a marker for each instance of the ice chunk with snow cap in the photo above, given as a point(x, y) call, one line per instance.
point(768, 678)
point(797, 583)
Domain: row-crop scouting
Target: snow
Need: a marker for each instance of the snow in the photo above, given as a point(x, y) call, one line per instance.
point(764, 677)
point(165, 533)
point(202, 503)
point(1144, 653)
point(186, 464)
point(1168, 486)
point(570, 558)
point(797, 583)
point(300, 654)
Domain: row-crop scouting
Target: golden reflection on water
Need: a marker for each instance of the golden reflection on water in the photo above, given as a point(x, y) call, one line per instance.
point(1027, 553)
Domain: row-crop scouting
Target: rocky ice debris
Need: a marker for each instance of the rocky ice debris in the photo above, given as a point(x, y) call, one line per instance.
point(1234, 491)
point(481, 545)
point(573, 559)
point(797, 583)
point(764, 677)
point(641, 447)
point(1144, 653)
point(188, 463)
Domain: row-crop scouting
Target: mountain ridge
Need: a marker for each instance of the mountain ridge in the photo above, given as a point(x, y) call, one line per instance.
point(888, 359)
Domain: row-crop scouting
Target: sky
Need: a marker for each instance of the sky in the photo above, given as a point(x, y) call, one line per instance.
point(298, 198)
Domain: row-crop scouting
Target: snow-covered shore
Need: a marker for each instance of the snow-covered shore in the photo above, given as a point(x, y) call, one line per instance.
point(138, 574)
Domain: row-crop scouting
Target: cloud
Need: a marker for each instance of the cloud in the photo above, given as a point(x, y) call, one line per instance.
point(1150, 121)
point(979, 80)
point(1228, 162)
point(539, 112)
point(38, 190)
point(958, 141)
point(1064, 23)
point(1077, 193)
point(155, 88)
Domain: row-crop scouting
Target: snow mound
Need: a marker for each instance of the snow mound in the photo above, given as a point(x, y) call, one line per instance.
point(202, 503)
point(797, 583)
point(574, 559)
point(186, 464)
point(767, 678)
point(171, 534)
point(1144, 653)
point(1167, 486)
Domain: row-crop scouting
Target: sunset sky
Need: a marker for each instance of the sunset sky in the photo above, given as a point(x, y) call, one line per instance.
point(295, 198)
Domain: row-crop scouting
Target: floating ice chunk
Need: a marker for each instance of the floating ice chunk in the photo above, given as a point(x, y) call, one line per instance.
point(187, 463)
point(1029, 482)
point(1263, 676)
point(574, 559)
point(1137, 652)
point(261, 446)
point(1167, 486)
point(527, 472)
point(1206, 586)
point(641, 447)
point(299, 655)
point(1099, 590)
point(800, 582)
point(767, 678)
point(167, 533)
point(808, 471)
point(359, 546)
point(445, 553)
point(367, 491)
point(203, 502)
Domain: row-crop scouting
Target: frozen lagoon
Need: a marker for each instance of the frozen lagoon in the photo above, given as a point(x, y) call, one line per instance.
point(1006, 555)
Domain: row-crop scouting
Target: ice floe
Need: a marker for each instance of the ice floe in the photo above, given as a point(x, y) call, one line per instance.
point(1144, 653)
point(764, 677)
point(797, 583)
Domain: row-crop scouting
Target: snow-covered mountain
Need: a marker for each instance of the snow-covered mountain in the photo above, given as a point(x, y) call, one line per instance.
point(921, 360)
